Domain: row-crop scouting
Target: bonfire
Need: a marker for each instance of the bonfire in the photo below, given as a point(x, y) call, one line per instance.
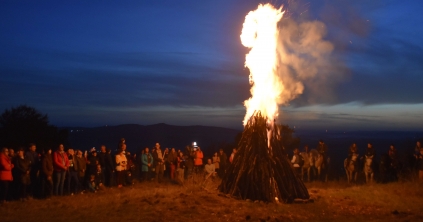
point(261, 169)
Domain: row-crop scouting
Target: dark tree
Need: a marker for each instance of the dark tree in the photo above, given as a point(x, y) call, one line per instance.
point(23, 125)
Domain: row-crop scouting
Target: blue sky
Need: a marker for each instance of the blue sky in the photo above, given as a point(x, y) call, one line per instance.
point(182, 62)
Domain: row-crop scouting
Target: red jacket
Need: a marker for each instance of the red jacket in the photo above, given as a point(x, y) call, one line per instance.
point(58, 161)
point(5, 168)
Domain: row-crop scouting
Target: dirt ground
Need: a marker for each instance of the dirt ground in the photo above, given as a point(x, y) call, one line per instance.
point(198, 201)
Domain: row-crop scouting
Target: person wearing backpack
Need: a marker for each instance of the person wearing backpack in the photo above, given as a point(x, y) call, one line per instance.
point(296, 162)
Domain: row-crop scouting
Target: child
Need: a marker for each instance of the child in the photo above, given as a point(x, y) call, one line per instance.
point(99, 177)
point(92, 186)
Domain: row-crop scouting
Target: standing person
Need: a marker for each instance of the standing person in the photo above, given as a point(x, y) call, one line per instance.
point(198, 161)
point(12, 154)
point(129, 169)
point(120, 167)
point(166, 163)
point(106, 162)
point(81, 166)
point(180, 168)
point(216, 161)
point(223, 162)
point(23, 169)
point(159, 163)
point(417, 148)
point(6, 178)
point(394, 163)
point(147, 164)
point(72, 173)
point(172, 161)
point(102, 157)
point(419, 158)
point(231, 158)
point(296, 162)
point(61, 165)
point(121, 142)
point(189, 161)
point(32, 156)
point(47, 174)
point(306, 169)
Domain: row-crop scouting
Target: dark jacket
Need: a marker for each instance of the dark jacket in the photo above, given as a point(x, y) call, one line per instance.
point(171, 157)
point(73, 167)
point(99, 177)
point(47, 165)
point(34, 159)
point(22, 167)
point(92, 166)
point(223, 159)
point(81, 165)
point(157, 159)
point(102, 159)
point(108, 162)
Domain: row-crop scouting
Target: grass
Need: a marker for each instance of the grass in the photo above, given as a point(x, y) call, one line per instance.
point(148, 201)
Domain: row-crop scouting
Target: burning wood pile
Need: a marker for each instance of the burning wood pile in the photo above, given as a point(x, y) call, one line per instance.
point(261, 169)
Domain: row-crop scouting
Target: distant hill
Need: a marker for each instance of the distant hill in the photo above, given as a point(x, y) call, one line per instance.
point(139, 136)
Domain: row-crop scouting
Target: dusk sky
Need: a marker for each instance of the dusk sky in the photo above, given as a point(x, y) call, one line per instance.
point(95, 63)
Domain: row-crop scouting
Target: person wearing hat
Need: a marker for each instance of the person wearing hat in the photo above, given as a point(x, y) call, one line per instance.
point(159, 163)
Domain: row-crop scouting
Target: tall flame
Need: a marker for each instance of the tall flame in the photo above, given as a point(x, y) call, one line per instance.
point(260, 33)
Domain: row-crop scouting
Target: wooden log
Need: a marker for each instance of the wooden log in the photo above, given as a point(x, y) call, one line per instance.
point(259, 172)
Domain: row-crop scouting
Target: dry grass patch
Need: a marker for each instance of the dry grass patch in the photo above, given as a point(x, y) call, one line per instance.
point(197, 201)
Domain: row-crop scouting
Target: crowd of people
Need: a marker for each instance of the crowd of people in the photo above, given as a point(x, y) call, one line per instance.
point(31, 173)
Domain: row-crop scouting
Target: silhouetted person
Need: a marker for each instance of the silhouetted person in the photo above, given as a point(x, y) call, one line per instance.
point(223, 163)
point(23, 168)
point(47, 174)
point(33, 157)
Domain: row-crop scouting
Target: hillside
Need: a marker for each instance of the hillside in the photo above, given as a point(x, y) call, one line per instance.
point(139, 136)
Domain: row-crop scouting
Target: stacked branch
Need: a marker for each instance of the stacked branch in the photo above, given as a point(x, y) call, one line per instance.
point(259, 171)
